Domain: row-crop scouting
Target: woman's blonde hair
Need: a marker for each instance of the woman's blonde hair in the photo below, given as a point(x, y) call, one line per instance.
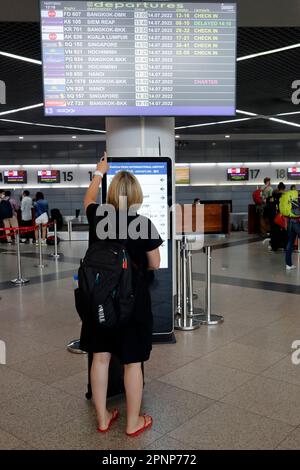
point(124, 184)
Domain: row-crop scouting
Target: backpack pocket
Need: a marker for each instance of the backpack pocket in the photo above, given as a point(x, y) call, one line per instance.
point(126, 308)
point(80, 304)
point(104, 312)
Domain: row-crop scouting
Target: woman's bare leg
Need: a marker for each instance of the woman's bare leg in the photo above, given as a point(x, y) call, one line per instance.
point(134, 392)
point(44, 232)
point(99, 382)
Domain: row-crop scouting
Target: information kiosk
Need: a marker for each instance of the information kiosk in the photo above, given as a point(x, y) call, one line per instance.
point(155, 177)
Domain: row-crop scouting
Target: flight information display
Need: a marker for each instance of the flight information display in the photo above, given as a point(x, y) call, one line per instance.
point(138, 58)
point(293, 173)
point(48, 176)
point(238, 174)
point(15, 177)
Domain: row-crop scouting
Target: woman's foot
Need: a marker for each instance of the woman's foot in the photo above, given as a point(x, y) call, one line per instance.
point(105, 424)
point(143, 423)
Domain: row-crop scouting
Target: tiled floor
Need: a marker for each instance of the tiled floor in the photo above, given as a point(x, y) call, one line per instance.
point(231, 386)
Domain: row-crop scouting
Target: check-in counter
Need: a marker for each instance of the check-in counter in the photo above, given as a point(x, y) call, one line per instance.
point(203, 218)
point(253, 219)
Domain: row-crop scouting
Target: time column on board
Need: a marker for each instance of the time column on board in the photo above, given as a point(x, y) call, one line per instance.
point(141, 58)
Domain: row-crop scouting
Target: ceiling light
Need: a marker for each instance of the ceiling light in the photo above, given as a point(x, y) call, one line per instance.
point(21, 137)
point(213, 123)
point(20, 57)
point(203, 164)
point(282, 163)
point(288, 114)
point(177, 136)
point(25, 108)
point(74, 137)
point(227, 136)
point(247, 113)
point(282, 121)
point(271, 51)
point(230, 164)
point(52, 125)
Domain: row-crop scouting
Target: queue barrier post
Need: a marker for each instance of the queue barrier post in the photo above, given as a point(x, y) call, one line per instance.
point(41, 264)
point(74, 347)
point(191, 296)
point(209, 318)
point(184, 320)
point(178, 276)
point(55, 254)
point(20, 280)
point(70, 230)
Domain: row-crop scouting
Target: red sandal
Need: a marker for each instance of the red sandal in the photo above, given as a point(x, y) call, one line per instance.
point(142, 429)
point(114, 417)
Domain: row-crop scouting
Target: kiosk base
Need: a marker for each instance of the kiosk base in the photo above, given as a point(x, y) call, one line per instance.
point(165, 338)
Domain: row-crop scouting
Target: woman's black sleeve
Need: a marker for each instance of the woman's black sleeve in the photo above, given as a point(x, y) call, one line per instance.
point(154, 239)
point(91, 213)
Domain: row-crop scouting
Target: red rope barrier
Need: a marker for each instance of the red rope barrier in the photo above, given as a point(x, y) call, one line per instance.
point(25, 229)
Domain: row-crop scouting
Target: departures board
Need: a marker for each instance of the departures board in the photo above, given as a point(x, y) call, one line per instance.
point(138, 58)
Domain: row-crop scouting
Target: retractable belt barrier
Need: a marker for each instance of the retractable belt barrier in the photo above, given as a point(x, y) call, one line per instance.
point(188, 317)
point(17, 231)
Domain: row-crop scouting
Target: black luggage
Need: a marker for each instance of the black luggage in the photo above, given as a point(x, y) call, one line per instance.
point(56, 215)
point(279, 237)
point(115, 379)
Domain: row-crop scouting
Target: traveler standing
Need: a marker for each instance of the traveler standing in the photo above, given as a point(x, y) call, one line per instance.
point(290, 208)
point(7, 215)
point(132, 343)
point(266, 195)
point(13, 203)
point(41, 215)
point(293, 231)
point(278, 232)
point(26, 214)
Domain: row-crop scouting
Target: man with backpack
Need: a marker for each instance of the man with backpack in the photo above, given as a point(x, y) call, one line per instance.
point(261, 198)
point(290, 208)
point(6, 215)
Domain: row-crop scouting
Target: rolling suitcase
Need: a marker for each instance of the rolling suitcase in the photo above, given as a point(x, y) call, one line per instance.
point(115, 378)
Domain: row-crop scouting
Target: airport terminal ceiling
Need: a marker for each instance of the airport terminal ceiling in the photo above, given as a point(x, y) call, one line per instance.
point(264, 84)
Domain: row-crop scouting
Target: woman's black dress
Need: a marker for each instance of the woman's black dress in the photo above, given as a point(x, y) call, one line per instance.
point(132, 343)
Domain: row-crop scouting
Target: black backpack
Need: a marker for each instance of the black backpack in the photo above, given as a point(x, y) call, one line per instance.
point(105, 290)
point(56, 215)
point(6, 211)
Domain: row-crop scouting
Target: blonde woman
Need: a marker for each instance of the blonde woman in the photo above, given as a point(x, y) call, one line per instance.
point(133, 343)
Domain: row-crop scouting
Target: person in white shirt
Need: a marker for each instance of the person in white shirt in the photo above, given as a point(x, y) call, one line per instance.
point(26, 206)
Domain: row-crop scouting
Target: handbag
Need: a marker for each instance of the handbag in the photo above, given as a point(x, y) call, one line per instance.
point(281, 221)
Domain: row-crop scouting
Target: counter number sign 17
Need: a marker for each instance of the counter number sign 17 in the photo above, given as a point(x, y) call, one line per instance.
point(254, 173)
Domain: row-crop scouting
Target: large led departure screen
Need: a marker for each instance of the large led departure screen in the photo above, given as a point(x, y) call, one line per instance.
point(138, 58)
